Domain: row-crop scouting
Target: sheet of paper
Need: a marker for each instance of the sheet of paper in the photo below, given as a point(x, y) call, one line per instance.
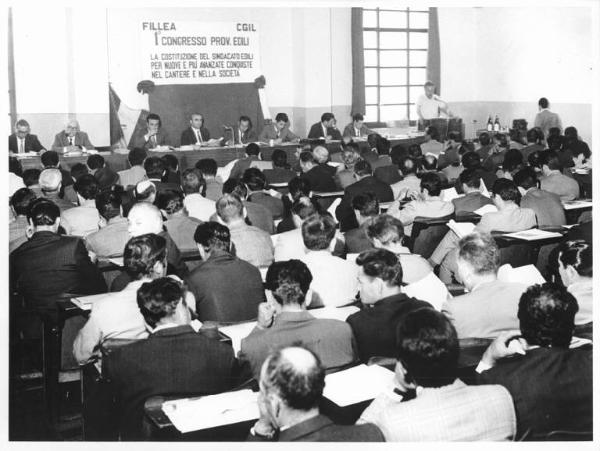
point(385, 206)
point(533, 234)
point(430, 289)
point(223, 172)
point(489, 208)
point(211, 411)
point(528, 274)
point(484, 190)
point(340, 313)
point(333, 206)
point(87, 302)
point(461, 228)
point(449, 194)
point(574, 204)
point(237, 332)
point(357, 384)
point(116, 261)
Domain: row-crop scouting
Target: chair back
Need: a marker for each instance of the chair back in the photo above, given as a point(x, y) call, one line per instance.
point(427, 234)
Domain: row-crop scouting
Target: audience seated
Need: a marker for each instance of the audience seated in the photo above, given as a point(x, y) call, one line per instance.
point(485, 146)
point(297, 188)
point(226, 288)
point(17, 229)
point(179, 225)
point(252, 153)
point(50, 184)
point(553, 180)
point(534, 143)
point(95, 162)
point(291, 388)
point(84, 219)
point(558, 394)
point(136, 173)
point(390, 173)
point(410, 183)
point(145, 191)
point(575, 268)
point(345, 175)
point(208, 168)
point(365, 207)
point(156, 171)
point(430, 164)
point(256, 183)
point(382, 152)
point(255, 214)
point(281, 172)
point(433, 404)
point(471, 160)
point(110, 240)
point(432, 144)
point(546, 205)
point(78, 170)
point(195, 203)
point(316, 171)
point(284, 321)
point(290, 245)
point(171, 165)
point(472, 199)
point(380, 281)
point(579, 149)
point(512, 163)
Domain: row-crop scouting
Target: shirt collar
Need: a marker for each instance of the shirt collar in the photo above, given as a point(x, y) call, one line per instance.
point(164, 326)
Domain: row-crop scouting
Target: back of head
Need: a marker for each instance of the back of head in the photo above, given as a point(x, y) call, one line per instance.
point(254, 179)
point(95, 162)
point(535, 159)
point(432, 183)
point(106, 178)
point(382, 264)
point(320, 154)
point(571, 133)
point(108, 203)
point(397, 154)
point(78, 170)
point(137, 156)
point(350, 157)
point(142, 253)
point(87, 187)
point(554, 142)
point(366, 203)
point(50, 159)
point(480, 251)
point(373, 140)
point(317, 231)
point(363, 168)
point(456, 136)
point(289, 281)
point(50, 180)
point(14, 166)
point(409, 166)
point(471, 160)
point(207, 166)
point(543, 102)
point(170, 201)
point(471, 178)
point(252, 149)
point(230, 208)
point(430, 163)
point(507, 190)
point(526, 178)
point(282, 117)
point(579, 255)
point(433, 133)
point(547, 315)
point(32, 177)
point(415, 151)
point(533, 136)
point(550, 159)
point(383, 146)
point(42, 212)
point(428, 348)
point(279, 158)
point(298, 187)
point(144, 218)
point(144, 191)
point(386, 229)
point(154, 167)
point(170, 162)
point(513, 160)
point(158, 299)
point(306, 157)
point(21, 199)
point(303, 207)
point(192, 181)
point(213, 236)
point(484, 139)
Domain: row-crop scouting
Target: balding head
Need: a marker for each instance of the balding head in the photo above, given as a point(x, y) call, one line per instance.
point(50, 180)
point(144, 218)
point(71, 127)
point(320, 154)
point(230, 208)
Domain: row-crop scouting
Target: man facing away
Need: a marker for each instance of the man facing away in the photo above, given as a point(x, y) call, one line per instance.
point(546, 119)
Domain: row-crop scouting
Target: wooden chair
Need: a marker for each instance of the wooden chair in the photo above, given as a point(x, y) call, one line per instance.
point(427, 234)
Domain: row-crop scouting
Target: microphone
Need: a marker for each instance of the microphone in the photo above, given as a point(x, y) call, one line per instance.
point(227, 127)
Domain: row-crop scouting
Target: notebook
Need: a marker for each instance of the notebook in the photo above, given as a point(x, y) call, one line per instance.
point(461, 228)
point(533, 234)
point(357, 384)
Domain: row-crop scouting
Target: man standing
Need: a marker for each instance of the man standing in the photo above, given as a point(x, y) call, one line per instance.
point(197, 134)
point(22, 141)
point(430, 105)
point(152, 136)
point(71, 138)
point(325, 129)
point(546, 119)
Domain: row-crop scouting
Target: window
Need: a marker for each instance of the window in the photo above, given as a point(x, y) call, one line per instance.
point(395, 46)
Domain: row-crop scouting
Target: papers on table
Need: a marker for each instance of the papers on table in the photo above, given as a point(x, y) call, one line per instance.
point(328, 194)
point(528, 274)
point(237, 332)
point(533, 234)
point(211, 411)
point(489, 208)
point(339, 313)
point(357, 384)
point(575, 204)
point(25, 155)
point(461, 228)
point(429, 289)
point(448, 195)
point(186, 148)
point(385, 206)
point(87, 302)
point(223, 172)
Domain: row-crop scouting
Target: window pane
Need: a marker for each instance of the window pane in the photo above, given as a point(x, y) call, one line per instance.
point(418, 41)
point(418, 58)
point(392, 112)
point(419, 20)
point(370, 57)
point(392, 40)
point(371, 95)
point(415, 92)
point(392, 19)
point(370, 76)
point(392, 58)
point(392, 77)
point(371, 113)
point(369, 19)
point(393, 95)
point(413, 113)
point(370, 39)
point(417, 76)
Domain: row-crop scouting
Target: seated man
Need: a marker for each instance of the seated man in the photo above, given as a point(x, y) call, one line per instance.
point(50, 184)
point(252, 153)
point(490, 306)
point(472, 160)
point(50, 160)
point(410, 183)
point(380, 281)
point(22, 140)
point(427, 204)
point(251, 243)
point(244, 133)
point(345, 175)
point(19, 204)
point(365, 207)
point(179, 225)
point(256, 183)
point(553, 180)
point(171, 165)
point(174, 360)
point(575, 267)
point(334, 281)
point(255, 214)
point(137, 173)
point(281, 172)
point(85, 219)
point(155, 171)
point(316, 171)
point(534, 143)
point(357, 128)
point(31, 180)
point(94, 163)
point(325, 129)
point(110, 240)
point(432, 144)
point(49, 264)
point(430, 164)
point(196, 204)
point(226, 288)
point(283, 321)
point(546, 205)
point(472, 199)
point(71, 138)
point(550, 383)
point(151, 136)
point(208, 168)
point(196, 134)
point(291, 388)
point(289, 245)
point(279, 132)
point(433, 404)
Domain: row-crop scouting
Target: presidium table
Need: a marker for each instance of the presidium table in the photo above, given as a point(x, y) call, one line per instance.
point(117, 159)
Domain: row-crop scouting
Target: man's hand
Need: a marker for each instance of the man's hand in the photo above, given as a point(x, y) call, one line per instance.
point(508, 343)
point(265, 425)
point(266, 314)
point(277, 141)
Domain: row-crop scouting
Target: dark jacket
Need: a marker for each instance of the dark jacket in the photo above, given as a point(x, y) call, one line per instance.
point(316, 131)
point(188, 136)
point(388, 174)
point(357, 241)
point(273, 204)
point(321, 178)
point(31, 143)
point(470, 202)
point(344, 212)
point(278, 175)
point(241, 165)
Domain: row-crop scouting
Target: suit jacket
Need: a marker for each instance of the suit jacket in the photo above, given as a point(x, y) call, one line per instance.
point(454, 412)
point(375, 327)
point(273, 204)
point(172, 361)
point(566, 187)
point(278, 175)
point(321, 178)
point(357, 241)
point(345, 178)
point(109, 241)
point(49, 265)
point(249, 136)
point(546, 119)
point(62, 140)
point(132, 176)
point(349, 131)
point(252, 244)
point(511, 219)
point(269, 132)
point(344, 212)
point(182, 228)
point(82, 220)
point(226, 288)
point(316, 131)
point(546, 205)
point(32, 144)
point(388, 174)
point(551, 388)
point(188, 136)
point(330, 339)
point(237, 171)
point(470, 202)
point(138, 140)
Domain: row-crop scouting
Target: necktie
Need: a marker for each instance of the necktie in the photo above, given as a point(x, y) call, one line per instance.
point(153, 139)
point(278, 132)
point(240, 137)
point(199, 135)
point(357, 131)
point(21, 145)
point(70, 140)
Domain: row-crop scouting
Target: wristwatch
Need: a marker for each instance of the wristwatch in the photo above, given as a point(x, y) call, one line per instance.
point(269, 436)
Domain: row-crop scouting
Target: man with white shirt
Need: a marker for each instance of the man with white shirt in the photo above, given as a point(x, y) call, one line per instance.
point(136, 173)
point(334, 279)
point(197, 134)
point(430, 105)
point(357, 128)
point(290, 245)
point(152, 136)
point(410, 183)
point(195, 203)
point(84, 219)
point(553, 180)
point(71, 138)
point(22, 140)
point(325, 129)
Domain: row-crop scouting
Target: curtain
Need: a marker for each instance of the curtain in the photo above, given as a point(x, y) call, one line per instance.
point(433, 55)
point(358, 62)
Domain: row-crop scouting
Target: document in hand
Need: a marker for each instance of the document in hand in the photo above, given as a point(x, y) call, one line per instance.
point(237, 332)
point(574, 204)
point(528, 274)
point(87, 302)
point(430, 289)
point(357, 384)
point(533, 234)
point(448, 195)
point(461, 228)
point(211, 411)
point(489, 208)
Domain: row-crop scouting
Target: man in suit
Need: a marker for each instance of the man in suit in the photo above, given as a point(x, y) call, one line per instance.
point(410, 183)
point(107, 242)
point(291, 387)
point(50, 184)
point(196, 204)
point(553, 180)
point(136, 173)
point(22, 140)
point(244, 133)
point(174, 360)
point(325, 129)
point(179, 225)
point(283, 320)
point(550, 382)
point(380, 281)
point(252, 154)
point(226, 288)
point(546, 205)
point(152, 136)
point(208, 168)
point(71, 138)
point(472, 199)
point(434, 405)
point(279, 132)
point(196, 134)
point(50, 264)
point(356, 128)
point(289, 245)
point(365, 182)
point(84, 219)
point(256, 182)
point(546, 119)
point(490, 306)
point(534, 144)
point(316, 171)
point(365, 207)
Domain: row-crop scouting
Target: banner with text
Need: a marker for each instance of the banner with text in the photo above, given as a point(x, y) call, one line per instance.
point(185, 52)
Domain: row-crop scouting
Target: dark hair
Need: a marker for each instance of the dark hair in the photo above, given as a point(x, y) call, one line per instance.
point(409, 166)
point(363, 168)
point(49, 159)
point(554, 142)
point(386, 229)
point(252, 149)
point(154, 167)
point(471, 160)
point(526, 178)
point(289, 281)
point(137, 156)
point(298, 187)
point(95, 162)
point(455, 136)
point(357, 117)
point(170, 162)
point(325, 117)
point(306, 156)
point(229, 207)
point(42, 212)
point(579, 255)
point(382, 264)
point(207, 166)
point(158, 299)
point(170, 200)
point(246, 119)
point(86, 186)
point(192, 181)
point(317, 231)
point(535, 159)
point(21, 199)
point(78, 170)
point(513, 160)
point(533, 135)
point(236, 187)
point(31, 177)
point(153, 116)
point(279, 159)
point(571, 133)
point(433, 132)
point(282, 117)
point(428, 348)
point(480, 251)
point(142, 253)
point(470, 177)
point(366, 203)
point(543, 102)
point(415, 151)
point(507, 190)
point(299, 388)
point(550, 158)
point(254, 179)
point(430, 163)
point(546, 315)
point(108, 203)
point(303, 207)
point(147, 193)
point(429, 83)
point(373, 139)
point(14, 166)
point(432, 183)
point(22, 123)
point(397, 154)
point(485, 139)
point(213, 235)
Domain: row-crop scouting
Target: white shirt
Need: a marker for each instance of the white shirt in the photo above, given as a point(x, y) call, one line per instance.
point(82, 220)
point(430, 108)
point(335, 281)
point(199, 207)
point(21, 144)
point(198, 135)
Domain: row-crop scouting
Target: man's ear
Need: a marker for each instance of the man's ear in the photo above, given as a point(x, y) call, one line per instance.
point(159, 267)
